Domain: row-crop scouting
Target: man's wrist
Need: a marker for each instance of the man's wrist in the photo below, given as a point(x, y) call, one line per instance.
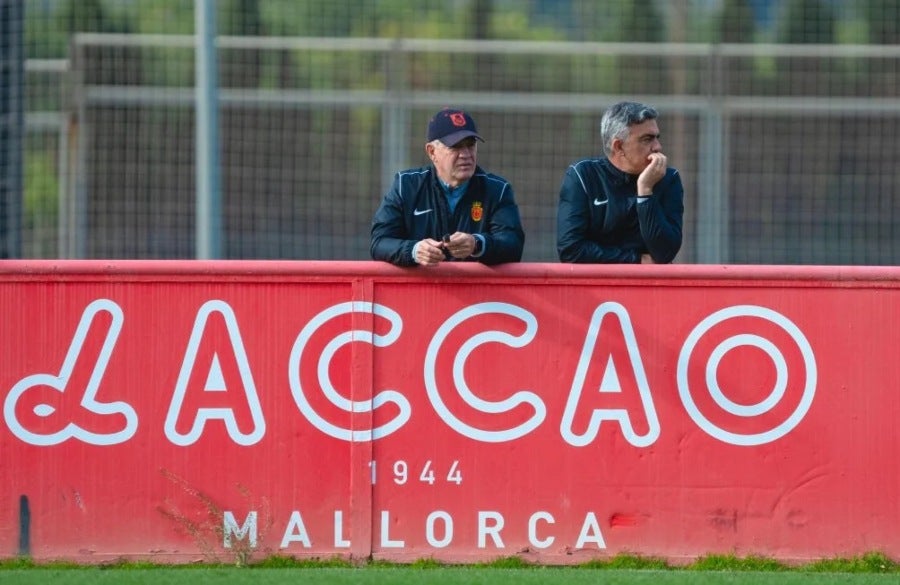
point(479, 245)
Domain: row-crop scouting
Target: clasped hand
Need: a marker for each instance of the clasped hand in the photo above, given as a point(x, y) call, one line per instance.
point(458, 245)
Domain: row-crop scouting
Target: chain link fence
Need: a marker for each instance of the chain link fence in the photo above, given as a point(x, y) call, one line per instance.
point(781, 117)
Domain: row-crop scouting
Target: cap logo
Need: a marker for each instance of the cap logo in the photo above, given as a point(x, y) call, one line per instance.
point(477, 211)
point(458, 119)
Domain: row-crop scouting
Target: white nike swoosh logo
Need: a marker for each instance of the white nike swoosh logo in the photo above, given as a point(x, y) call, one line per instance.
point(598, 202)
point(420, 212)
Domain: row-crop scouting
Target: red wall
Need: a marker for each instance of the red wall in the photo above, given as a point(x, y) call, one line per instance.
point(175, 411)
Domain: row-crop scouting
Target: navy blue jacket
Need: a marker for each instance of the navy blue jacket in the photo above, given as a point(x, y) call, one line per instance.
point(416, 207)
point(600, 220)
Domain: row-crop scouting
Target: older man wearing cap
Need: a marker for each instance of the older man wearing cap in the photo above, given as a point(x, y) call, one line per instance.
point(450, 209)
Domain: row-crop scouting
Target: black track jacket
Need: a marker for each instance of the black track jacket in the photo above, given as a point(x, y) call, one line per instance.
point(415, 208)
point(599, 219)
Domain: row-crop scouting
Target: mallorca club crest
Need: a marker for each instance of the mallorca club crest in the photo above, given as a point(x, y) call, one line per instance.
point(477, 211)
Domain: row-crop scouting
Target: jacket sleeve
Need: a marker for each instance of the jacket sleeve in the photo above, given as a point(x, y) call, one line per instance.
point(573, 220)
point(389, 232)
point(661, 218)
point(505, 237)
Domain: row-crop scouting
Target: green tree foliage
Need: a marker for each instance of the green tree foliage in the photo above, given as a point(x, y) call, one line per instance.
point(165, 66)
point(883, 19)
point(422, 19)
point(85, 16)
point(240, 18)
point(174, 17)
point(619, 21)
point(242, 67)
point(97, 16)
point(481, 19)
point(626, 21)
point(316, 18)
point(807, 22)
point(640, 22)
point(40, 207)
point(735, 22)
point(49, 27)
point(44, 38)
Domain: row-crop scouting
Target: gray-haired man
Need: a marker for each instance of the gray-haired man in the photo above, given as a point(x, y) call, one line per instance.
point(628, 206)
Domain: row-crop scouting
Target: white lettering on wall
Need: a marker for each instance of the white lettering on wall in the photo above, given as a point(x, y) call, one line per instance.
point(296, 531)
point(604, 347)
point(60, 383)
point(215, 383)
point(778, 390)
point(499, 407)
point(532, 529)
point(246, 530)
point(378, 400)
point(590, 532)
point(490, 524)
point(610, 384)
point(386, 541)
point(339, 540)
point(447, 521)
point(440, 530)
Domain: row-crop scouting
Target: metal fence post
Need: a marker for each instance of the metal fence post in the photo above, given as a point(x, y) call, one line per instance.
point(209, 203)
point(712, 206)
point(12, 125)
point(395, 118)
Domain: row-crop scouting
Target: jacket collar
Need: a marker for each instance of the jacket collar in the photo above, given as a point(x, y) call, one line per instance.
point(619, 177)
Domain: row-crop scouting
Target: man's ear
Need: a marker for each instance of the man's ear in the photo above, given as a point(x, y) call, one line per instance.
point(618, 145)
